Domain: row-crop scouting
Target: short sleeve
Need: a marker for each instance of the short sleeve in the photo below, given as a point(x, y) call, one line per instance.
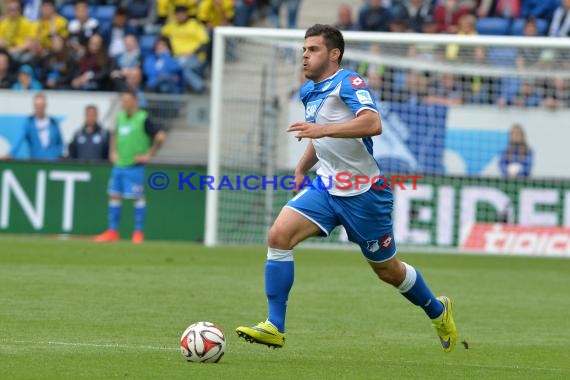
point(151, 129)
point(355, 93)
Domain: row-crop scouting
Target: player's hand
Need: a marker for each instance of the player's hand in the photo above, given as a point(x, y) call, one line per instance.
point(113, 157)
point(143, 158)
point(307, 130)
point(299, 178)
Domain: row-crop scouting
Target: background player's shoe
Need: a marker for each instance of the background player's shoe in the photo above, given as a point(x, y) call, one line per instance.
point(138, 237)
point(263, 333)
point(107, 236)
point(445, 326)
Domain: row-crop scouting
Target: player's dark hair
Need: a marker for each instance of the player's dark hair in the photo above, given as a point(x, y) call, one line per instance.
point(129, 92)
point(332, 36)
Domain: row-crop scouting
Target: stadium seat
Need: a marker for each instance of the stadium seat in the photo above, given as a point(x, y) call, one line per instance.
point(104, 13)
point(68, 11)
point(146, 43)
point(518, 26)
point(493, 26)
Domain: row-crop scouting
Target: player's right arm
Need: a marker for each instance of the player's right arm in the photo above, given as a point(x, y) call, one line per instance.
point(113, 155)
point(307, 161)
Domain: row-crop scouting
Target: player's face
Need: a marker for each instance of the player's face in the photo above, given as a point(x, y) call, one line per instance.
point(317, 59)
point(128, 102)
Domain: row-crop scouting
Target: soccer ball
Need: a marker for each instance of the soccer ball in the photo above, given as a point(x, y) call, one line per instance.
point(203, 342)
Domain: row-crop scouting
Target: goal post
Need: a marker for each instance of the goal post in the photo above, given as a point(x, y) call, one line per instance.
point(447, 103)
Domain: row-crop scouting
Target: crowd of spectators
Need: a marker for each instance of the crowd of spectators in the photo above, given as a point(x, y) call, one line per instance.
point(164, 46)
point(466, 17)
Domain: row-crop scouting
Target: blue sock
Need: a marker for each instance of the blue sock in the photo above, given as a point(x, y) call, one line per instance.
point(140, 211)
point(417, 292)
point(279, 277)
point(114, 214)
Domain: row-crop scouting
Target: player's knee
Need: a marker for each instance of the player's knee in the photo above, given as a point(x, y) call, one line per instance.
point(390, 272)
point(279, 238)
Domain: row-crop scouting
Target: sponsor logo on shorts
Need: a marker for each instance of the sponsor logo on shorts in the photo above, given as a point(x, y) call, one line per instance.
point(387, 242)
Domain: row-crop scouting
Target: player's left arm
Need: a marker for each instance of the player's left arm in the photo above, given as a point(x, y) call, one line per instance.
point(158, 136)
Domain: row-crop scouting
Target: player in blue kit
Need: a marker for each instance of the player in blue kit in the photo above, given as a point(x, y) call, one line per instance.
point(340, 118)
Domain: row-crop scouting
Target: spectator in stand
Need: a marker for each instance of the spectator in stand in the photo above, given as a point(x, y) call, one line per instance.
point(16, 32)
point(91, 142)
point(58, 65)
point(292, 12)
point(27, 80)
point(94, 67)
point(446, 91)
point(116, 35)
point(216, 12)
point(528, 57)
point(516, 160)
point(189, 40)
point(499, 8)
point(139, 14)
point(162, 71)
point(556, 94)
point(41, 133)
point(50, 24)
point(415, 91)
point(134, 84)
point(374, 17)
point(560, 25)
point(243, 12)
point(129, 59)
point(447, 15)
point(539, 8)
point(82, 27)
point(419, 14)
point(466, 27)
point(6, 75)
point(518, 93)
point(344, 19)
point(166, 9)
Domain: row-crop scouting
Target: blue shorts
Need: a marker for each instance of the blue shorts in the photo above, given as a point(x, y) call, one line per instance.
point(367, 217)
point(127, 182)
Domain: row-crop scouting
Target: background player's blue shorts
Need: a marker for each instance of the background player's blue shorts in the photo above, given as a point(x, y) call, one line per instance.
point(367, 217)
point(127, 182)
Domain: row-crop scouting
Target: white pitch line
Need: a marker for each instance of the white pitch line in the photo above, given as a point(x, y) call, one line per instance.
point(159, 348)
point(97, 345)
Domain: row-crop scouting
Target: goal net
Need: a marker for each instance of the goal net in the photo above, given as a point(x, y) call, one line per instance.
point(455, 110)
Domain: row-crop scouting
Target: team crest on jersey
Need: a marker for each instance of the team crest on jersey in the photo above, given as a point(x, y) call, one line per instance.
point(311, 109)
point(372, 245)
point(357, 82)
point(364, 97)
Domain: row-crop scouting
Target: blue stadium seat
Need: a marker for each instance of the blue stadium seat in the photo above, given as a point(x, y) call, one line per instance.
point(104, 13)
point(493, 26)
point(518, 26)
point(68, 11)
point(146, 43)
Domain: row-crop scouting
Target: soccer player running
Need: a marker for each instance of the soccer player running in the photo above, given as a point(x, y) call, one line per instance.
point(135, 141)
point(340, 118)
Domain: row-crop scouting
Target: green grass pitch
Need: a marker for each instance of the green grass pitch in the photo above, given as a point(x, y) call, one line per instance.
point(77, 310)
